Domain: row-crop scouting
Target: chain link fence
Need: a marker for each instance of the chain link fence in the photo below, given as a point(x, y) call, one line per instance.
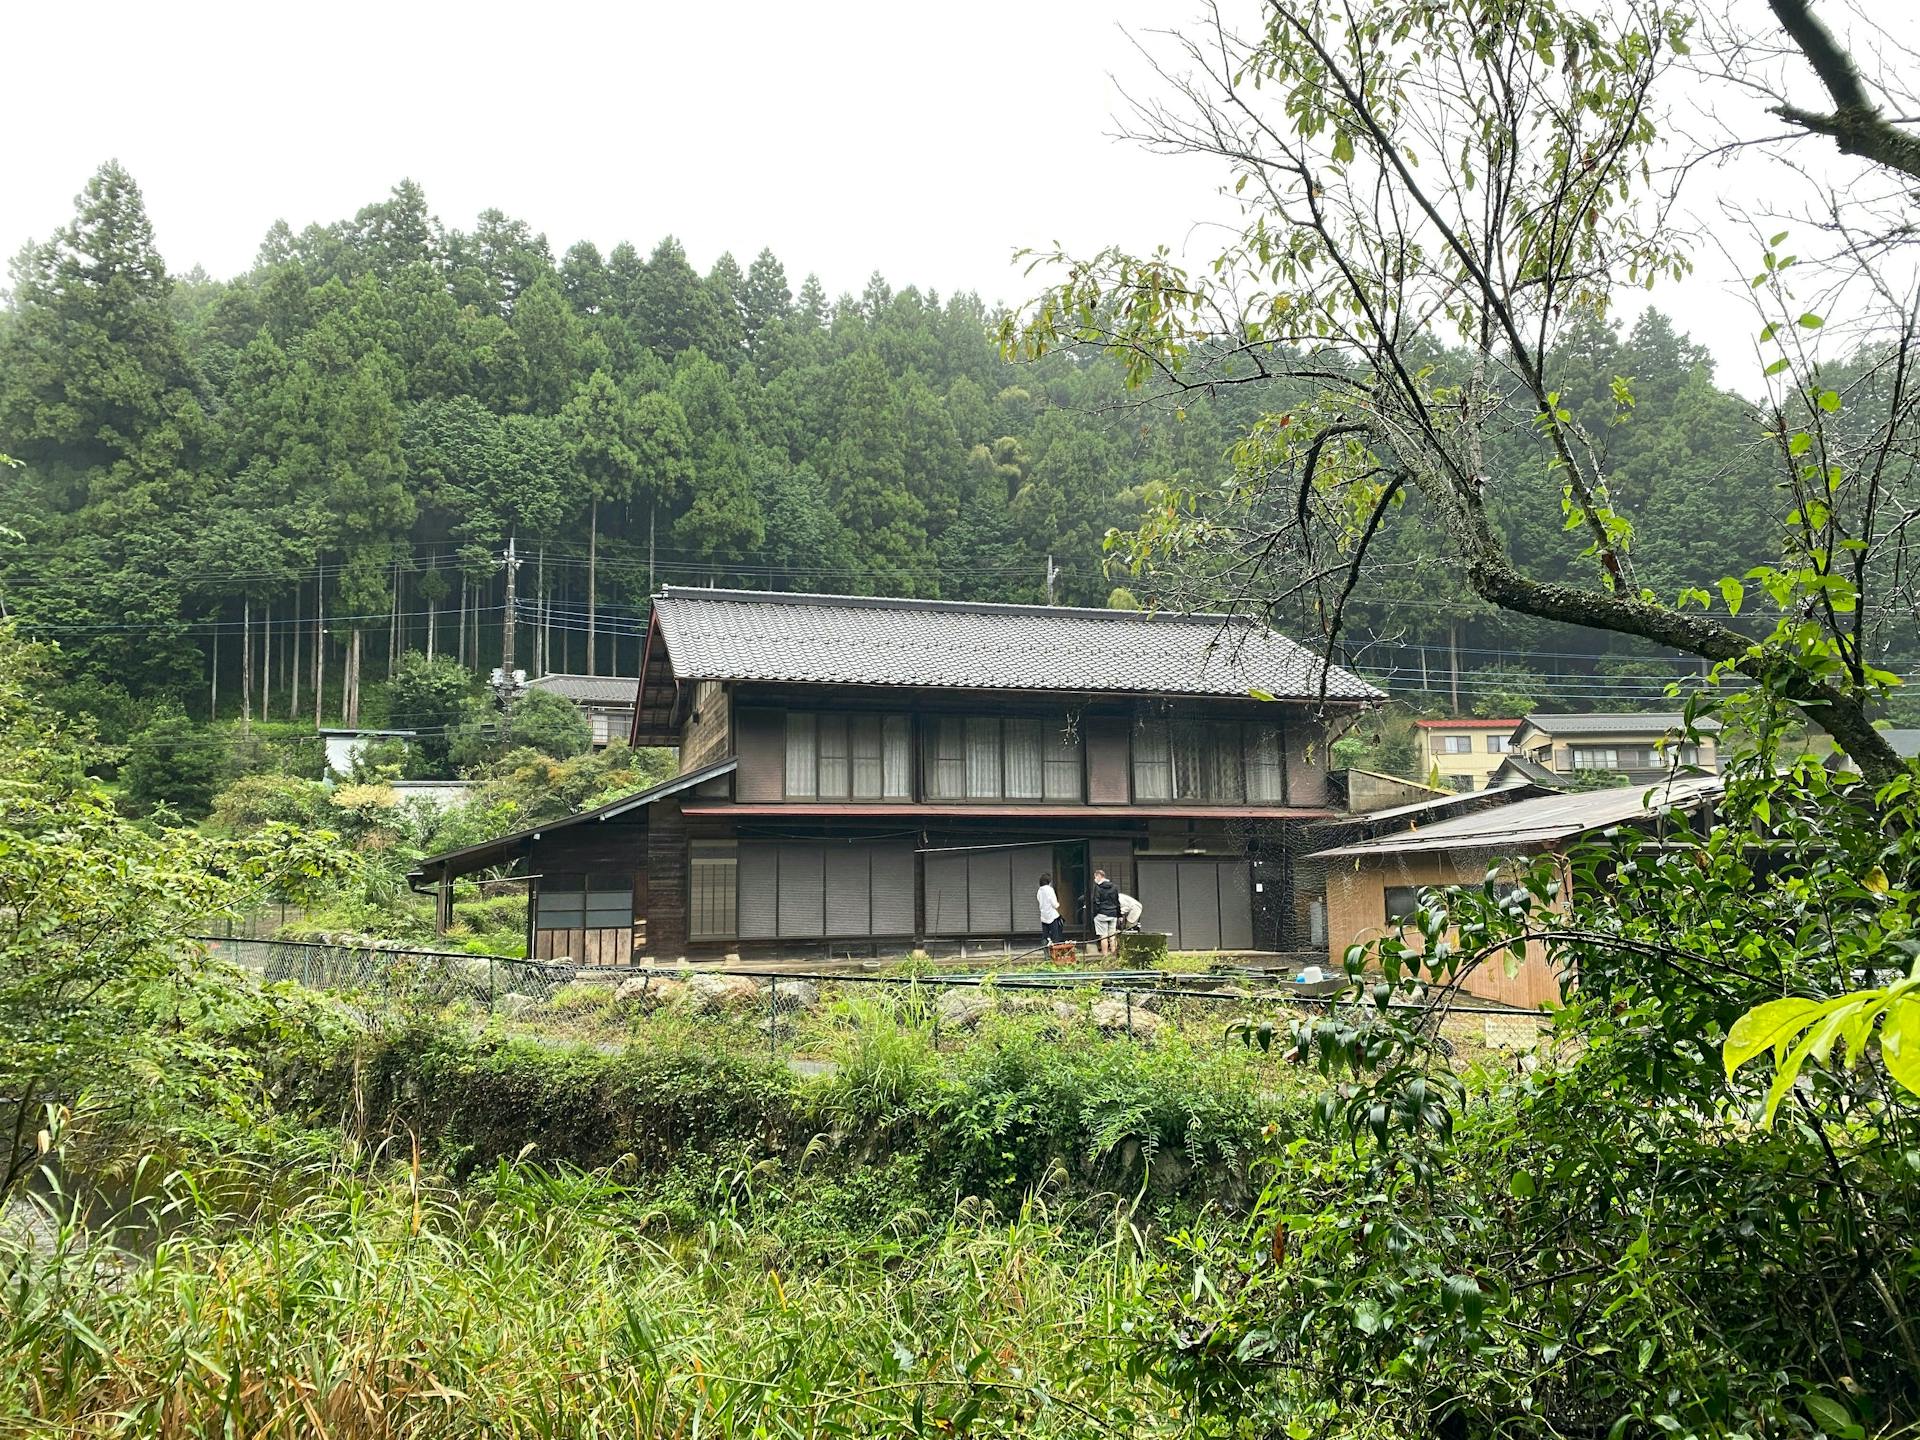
point(797, 1015)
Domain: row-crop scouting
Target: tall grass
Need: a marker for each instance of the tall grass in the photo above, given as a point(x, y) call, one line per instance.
point(544, 1302)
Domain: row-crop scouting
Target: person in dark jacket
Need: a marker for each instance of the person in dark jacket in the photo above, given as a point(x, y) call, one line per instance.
point(1105, 903)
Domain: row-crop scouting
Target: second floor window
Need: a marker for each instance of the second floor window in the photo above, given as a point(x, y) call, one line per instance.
point(848, 757)
point(1221, 762)
point(1497, 744)
point(1454, 745)
point(1632, 757)
point(983, 757)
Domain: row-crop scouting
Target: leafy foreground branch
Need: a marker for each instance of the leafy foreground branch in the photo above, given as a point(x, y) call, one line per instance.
point(1612, 1243)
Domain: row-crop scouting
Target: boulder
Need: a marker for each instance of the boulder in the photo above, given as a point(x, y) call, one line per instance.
point(514, 1003)
point(1111, 1015)
point(962, 1009)
point(713, 993)
point(648, 992)
point(797, 994)
point(664, 993)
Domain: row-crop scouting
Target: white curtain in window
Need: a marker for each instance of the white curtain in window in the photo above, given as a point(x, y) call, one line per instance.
point(947, 751)
point(1062, 764)
point(802, 769)
point(1266, 771)
point(896, 766)
point(864, 735)
point(1226, 784)
point(1152, 762)
point(983, 759)
point(833, 757)
point(1023, 759)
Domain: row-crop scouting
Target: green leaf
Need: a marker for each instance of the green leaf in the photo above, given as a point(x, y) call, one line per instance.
point(1343, 147)
point(1829, 401)
point(1830, 1415)
point(1810, 321)
point(1799, 443)
point(1764, 1027)
point(1522, 1185)
point(1900, 1042)
point(1777, 366)
point(1734, 593)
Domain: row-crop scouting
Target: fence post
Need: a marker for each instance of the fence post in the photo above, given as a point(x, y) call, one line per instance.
point(1129, 1014)
point(493, 982)
point(773, 1019)
point(936, 1017)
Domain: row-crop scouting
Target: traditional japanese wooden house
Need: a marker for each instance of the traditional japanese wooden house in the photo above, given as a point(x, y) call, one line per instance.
point(863, 775)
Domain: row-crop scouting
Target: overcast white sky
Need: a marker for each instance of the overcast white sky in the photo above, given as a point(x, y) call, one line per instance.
point(927, 142)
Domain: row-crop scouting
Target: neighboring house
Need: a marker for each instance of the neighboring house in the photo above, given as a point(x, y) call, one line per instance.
point(345, 747)
point(438, 794)
point(1373, 885)
point(606, 700)
point(1644, 747)
point(1905, 743)
point(865, 774)
point(1463, 751)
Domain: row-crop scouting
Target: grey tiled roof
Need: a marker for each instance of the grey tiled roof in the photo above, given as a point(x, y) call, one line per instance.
point(590, 689)
point(949, 644)
point(1617, 722)
point(1528, 772)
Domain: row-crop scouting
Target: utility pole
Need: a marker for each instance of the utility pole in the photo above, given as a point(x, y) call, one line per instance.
point(319, 643)
point(651, 517)
point(1453, 660)
point(1051, 573)
point(512, 562)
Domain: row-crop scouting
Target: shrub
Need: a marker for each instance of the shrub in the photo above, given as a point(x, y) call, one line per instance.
point(173, 764)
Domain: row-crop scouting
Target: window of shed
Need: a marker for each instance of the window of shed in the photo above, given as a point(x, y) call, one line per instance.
point(1402, 904)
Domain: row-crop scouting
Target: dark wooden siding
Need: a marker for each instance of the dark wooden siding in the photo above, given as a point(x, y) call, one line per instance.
point(1109, 744)
point(665, 904)
point(760, 745)
point(1306, 763)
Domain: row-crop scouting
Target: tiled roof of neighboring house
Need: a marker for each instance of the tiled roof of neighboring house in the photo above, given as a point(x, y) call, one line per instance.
point(1466, 722)
point(960, 645)
point(1527, 772)
point(589, 689)
point(1617, 722)
point(1530, 824)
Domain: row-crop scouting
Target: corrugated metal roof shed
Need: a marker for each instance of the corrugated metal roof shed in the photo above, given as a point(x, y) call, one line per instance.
point(1531, 824)
point(960, 645)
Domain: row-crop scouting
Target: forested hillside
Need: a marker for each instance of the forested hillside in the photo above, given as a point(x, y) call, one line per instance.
point(343, 441)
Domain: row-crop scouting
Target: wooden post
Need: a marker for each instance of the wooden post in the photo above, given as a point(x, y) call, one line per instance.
point(593, 587)
point(213, 674)
point(319, 643)
point(443, 905)
point(266, 665)
point(246, 662)
point(293, 684)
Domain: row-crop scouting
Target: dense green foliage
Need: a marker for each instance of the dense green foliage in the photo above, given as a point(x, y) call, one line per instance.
point(379, 404)
point(1611, 1235)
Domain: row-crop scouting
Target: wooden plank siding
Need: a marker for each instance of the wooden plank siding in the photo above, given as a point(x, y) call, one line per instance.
point(585, 947)
point(665, 900)
point(707, 735)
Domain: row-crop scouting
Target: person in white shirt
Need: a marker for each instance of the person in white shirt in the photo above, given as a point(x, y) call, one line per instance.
point(1130, 912)
point(1050, 925)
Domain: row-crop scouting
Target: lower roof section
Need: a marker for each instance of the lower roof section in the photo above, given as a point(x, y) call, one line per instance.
point(489, 853)
point(810, 810)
